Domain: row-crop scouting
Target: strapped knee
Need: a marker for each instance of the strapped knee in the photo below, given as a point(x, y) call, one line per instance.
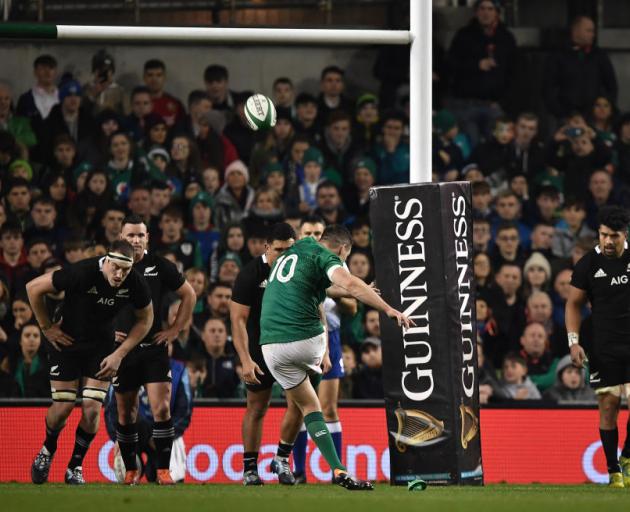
point(63, 395)
point(96, 394)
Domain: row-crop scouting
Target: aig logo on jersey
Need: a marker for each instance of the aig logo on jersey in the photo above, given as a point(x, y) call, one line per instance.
point(106, 301)
point(623, 279)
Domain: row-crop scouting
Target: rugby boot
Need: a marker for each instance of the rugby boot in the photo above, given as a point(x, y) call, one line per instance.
point(281, 467)
point(131, 477)
point(624, 462)
point(41, 467)
point(300, 478)
point(616, 481)
point(347, 481)
point(251, 477)
point(74, 476)
point(164, 477)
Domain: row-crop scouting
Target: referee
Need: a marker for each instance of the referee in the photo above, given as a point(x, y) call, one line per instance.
point(601, 277)
point(245, 308)
point(148, 364)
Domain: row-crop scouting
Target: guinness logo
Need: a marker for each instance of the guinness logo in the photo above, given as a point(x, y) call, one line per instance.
point(470, 424)
point(416, 428)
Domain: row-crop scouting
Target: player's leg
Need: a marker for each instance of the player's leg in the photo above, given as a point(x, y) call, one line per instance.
point(159, 394)
point(257, 404)
point(301, 441)
point(328, 390)
point(289, 430)
point(608, 400)
point(290, 364)
point(624, 460)
point(93, 396)
point(64, 395)
point(127, 431)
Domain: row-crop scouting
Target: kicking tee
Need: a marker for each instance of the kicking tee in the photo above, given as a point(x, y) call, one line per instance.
point(295, 289)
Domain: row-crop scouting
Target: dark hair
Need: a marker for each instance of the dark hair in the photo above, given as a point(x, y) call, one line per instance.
point(304, 98)
point(159, 185)
point(215, 73)
point(218, 284)
point(45, 60)
point(282, 80)
point(548, 191)
point(337, 235)
point(573, 202)
point(359, 223)
point(64, 138)
point(393, 115)
point(504, 226)
point(132, 219)
point(37, 241)
point(140, 89)
point(280, 231)
point(326, 184)
point(73, 243)
point(515, 357)
point(480, 187)
point(197, 96)
point(338, 115)
point(312, 219)
point(17, 182)
point(154, 64)
point(45, 200)
point(331, 69)
point(10, 228)
point(114, 207)
point(121, 246)
point(614, 217)
point(172, 211)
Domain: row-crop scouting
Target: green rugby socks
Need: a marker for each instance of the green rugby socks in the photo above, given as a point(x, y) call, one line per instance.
point(319, 433)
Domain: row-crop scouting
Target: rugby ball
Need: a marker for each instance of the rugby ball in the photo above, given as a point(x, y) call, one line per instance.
point(260, 112)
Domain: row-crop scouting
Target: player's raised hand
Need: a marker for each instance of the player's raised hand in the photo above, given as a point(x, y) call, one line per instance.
point(109, 366)
point(57, 337)
point(401, 319)
point(120, 336)
point(578, 356)
point(374, 288)
point(250, 369)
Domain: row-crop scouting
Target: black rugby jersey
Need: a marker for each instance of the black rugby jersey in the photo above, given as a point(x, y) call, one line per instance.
point(91, 304)
point(248, 290)
point(606, 282)
point(162, 277)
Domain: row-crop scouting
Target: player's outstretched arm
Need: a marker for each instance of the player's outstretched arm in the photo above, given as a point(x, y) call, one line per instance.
point(366, 294)
point(573, 318)
point(36, 291)
point(144, 321)
point(186, 294)
point(239, 314)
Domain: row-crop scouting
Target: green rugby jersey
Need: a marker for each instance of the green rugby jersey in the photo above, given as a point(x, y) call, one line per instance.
point(296, 287)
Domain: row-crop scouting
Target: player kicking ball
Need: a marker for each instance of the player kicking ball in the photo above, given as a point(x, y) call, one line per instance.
point(292, 334)
point(80, 346)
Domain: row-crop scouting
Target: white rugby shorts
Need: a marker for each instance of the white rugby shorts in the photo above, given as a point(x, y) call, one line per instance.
point(291, 363)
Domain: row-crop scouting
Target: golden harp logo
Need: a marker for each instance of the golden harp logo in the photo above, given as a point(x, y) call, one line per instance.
point(470, 424)
point(416, 428)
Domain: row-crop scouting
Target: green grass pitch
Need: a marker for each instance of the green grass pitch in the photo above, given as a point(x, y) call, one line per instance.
point(316, 498)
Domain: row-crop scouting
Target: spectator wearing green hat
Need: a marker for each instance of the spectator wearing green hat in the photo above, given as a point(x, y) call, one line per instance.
point(229, 267)
point(313, 161)
point(201, 228)
point(275, 178)
point(357, 195)
point(21, 169)
point(366, 128)
point(447, 156)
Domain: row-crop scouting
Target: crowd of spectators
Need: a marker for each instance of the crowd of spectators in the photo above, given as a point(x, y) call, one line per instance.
point(76, 158)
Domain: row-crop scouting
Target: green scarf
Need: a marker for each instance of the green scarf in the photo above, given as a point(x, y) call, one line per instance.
point(20, 372)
